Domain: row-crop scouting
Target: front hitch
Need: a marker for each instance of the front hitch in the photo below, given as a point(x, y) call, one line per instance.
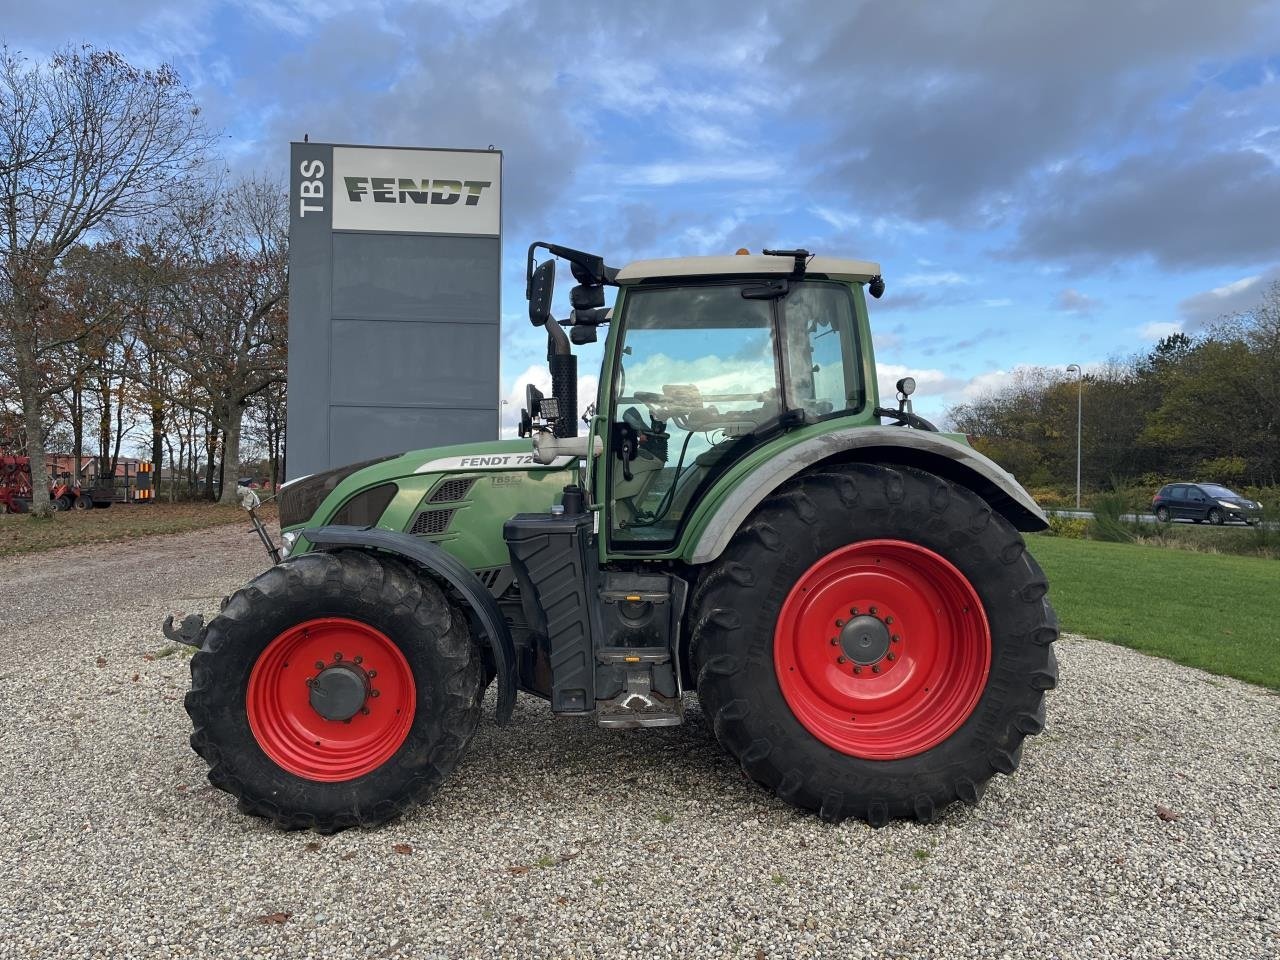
point(189, 633)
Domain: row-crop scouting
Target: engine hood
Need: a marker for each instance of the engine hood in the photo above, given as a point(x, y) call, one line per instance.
point(318, 494)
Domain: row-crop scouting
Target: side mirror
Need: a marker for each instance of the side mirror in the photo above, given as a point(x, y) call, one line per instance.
point(876, 286)
point(542, 286)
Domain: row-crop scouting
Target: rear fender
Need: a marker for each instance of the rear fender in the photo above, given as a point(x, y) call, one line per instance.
point(442, 566)
point(890, 445)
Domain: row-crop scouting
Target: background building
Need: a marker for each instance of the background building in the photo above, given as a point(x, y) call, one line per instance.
point(394, 307)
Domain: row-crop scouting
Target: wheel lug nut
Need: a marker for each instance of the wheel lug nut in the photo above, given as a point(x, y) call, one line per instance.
point(364, 711)
point(374, 693)
point(876, 668)
point(890, 656)
point(839, 623)
point(357, 660)
point(857, 669)
point(372, 674)
point(888, 619)
point(840, 660)
point(337, 657)
point(895, 638)
point(854, 611)
point(874, 611)
point(319, 664)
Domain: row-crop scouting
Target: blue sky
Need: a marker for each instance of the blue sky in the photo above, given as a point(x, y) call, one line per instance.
point(1042, 183)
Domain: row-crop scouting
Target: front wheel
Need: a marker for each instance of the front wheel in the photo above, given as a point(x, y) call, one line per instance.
point(334, 690)
point(1216, 517)
point(83, 502)
point(898, 646)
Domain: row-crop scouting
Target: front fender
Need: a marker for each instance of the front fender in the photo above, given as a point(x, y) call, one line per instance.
point(917, 448)
point(444, 567)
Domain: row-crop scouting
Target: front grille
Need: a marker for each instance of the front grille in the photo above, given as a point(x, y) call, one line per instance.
point(430, 522)
point(454, 489)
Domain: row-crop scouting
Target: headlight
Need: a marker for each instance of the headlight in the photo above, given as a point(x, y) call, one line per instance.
point(289, 538)
point(1229, 506)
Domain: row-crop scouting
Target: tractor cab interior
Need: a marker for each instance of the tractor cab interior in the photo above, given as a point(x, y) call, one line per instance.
point(704, 372)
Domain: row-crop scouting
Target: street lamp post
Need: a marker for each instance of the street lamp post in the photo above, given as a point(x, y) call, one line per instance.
point(1079, 411)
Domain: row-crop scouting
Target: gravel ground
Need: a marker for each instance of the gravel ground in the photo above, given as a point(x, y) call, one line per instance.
point(557, 839)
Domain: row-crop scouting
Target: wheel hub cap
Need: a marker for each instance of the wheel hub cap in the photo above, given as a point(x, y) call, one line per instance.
point(339, 691)
point(865, 640)
point(882, 649)
point(331, 699)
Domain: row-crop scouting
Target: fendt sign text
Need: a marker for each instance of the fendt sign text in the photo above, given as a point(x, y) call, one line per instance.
point(416, 191)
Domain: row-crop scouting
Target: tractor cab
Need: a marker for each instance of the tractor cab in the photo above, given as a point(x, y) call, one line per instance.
point(707, 359)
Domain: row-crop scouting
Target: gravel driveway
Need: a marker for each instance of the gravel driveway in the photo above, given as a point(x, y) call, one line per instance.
point(557, 839)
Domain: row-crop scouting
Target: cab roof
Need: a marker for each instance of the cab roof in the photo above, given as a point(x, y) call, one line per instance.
point(681, 267)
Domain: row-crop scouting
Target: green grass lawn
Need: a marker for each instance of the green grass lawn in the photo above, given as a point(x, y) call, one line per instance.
point(1216, 612)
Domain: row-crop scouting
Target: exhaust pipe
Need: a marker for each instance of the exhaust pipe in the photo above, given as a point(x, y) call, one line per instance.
point(564, 380)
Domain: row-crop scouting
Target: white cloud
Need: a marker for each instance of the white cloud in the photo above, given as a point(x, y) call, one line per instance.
point(1202, 309)
point(940, 278)
point(838, 219)
point(988, 382)
point(929, 382)
point(1159, 329)
point(672, 172)
point(998, 302)
point(540, 377)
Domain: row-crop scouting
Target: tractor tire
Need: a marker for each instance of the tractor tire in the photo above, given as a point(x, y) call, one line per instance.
point(842, 579)
point(21, 506)
point(338, 625)
point(60, 504)
point(1163, 515)
point(1216, 517)
point(83, 502)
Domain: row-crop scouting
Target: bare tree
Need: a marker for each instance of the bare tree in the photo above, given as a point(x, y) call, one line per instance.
point(85, 139)
point(228, 322)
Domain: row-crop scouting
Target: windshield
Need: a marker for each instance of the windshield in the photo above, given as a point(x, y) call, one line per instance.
point(1213, 490)
point(704, 374)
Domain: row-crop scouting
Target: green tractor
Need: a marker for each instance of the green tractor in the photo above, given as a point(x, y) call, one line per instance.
point(845, 588)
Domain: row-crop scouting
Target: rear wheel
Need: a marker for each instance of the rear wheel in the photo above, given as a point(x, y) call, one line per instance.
point(61, 504)
point(334, 690)
point(897, 653)
point(1162, 514)
point(1215, 517)
point(83, 502)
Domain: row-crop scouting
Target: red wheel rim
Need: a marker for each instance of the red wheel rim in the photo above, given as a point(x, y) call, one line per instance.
point(882, 649)
point(294, 735)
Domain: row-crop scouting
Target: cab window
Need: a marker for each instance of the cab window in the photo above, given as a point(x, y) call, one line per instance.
point(703, 374)
point(697, 371)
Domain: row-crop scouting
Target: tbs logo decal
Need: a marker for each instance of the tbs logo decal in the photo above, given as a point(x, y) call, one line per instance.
point(408, 190)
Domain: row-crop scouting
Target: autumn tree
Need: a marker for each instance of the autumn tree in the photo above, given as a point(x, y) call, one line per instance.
point(228, 313)
point(85, 139)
